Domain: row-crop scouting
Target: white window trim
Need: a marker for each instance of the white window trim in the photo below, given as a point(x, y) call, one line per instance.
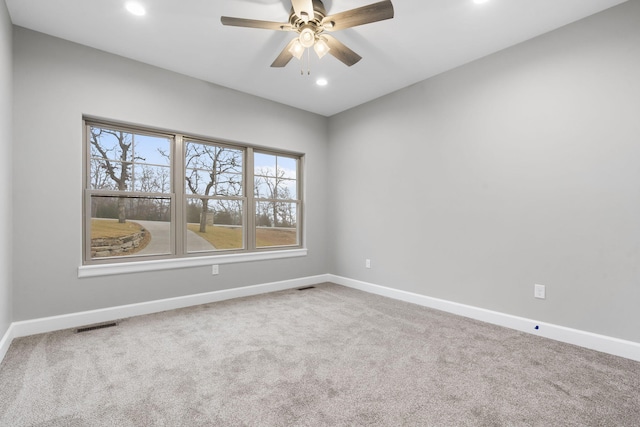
point(95, 270)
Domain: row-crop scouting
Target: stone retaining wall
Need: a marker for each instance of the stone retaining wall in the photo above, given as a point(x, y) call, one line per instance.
point(116, 246)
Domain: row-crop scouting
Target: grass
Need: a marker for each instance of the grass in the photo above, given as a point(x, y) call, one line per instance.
point(220, 237)
point(111, 228)
point(275, 237)
point(231, 237)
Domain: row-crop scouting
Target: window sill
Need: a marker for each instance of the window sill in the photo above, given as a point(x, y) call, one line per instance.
point(168, 264)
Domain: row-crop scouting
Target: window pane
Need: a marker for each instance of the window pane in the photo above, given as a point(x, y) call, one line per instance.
point(214, 225)
point(109, 175)
point(287, 167)
point(273, 188)
point(151, 179)
point(129, 226)
point(212, 170)
point(229, 184)
point(110, 144)
point(197, 181)
point(287, 189)
point(124, 161)
point(276, 224)
point(265, 188)
point(275, 177)
point(152, 150)
point(264, 164)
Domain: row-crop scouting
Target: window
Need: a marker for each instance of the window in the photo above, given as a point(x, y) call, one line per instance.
point(215, 199)
point(276, 200)
point(153, 195)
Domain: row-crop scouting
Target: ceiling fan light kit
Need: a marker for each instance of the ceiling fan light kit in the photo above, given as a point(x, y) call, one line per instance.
point(309, 19)
point(296, 49)
point(321, 47)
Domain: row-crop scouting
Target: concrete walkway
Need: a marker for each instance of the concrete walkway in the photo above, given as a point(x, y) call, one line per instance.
point(161, 239)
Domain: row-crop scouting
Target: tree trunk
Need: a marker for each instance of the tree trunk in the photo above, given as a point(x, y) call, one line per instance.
point(275, 214)
point(122, 218)
point(203, 216)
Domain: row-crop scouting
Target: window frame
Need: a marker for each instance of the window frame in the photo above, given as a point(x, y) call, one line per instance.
point(179, 256)
point(297, 201)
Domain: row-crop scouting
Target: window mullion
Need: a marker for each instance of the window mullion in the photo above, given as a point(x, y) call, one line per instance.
point(251, 204)
point(179, 225)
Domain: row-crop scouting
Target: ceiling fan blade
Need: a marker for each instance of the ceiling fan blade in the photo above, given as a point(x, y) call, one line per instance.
point(340, 51)
point(303, 9)
point(253, 23)
point(359, 16)
point(285, 56)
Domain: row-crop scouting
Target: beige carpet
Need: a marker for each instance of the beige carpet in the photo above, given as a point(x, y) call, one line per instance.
point(329, 356)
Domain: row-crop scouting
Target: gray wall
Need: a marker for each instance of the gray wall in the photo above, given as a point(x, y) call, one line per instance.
point(519, 168)
point(6, 137)
point(516, 169)
point(55, 83)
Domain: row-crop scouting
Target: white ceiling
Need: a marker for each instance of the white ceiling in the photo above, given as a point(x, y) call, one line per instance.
point(425, 38)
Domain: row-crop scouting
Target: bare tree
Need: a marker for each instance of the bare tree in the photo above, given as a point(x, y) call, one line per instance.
point(118, 162)
point(117, 170)
point(212, 170)
point(280, 213)
point(265, 178)
point(285, 209)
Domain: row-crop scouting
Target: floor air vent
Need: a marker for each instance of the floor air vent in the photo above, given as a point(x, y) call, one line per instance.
point(94, 327)
point(308, 287)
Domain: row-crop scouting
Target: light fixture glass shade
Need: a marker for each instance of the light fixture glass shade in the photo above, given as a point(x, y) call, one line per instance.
point(296, 49)
point(307, 37)
point(321, 47)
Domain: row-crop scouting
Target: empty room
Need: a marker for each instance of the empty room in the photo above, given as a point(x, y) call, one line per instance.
point(319, 213)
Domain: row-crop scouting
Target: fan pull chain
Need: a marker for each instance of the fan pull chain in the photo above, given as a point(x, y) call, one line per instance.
point(308, 63)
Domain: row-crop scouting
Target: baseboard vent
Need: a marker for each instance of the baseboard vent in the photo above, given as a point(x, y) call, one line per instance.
point(306, 287)
point(94, 327)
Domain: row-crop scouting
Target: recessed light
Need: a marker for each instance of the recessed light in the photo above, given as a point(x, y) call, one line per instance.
point(322, 82)
point(135, 8)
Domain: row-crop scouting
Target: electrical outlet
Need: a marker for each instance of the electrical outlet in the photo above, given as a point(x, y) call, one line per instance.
point(367, 263)
point(215, 270)
point(539, 291)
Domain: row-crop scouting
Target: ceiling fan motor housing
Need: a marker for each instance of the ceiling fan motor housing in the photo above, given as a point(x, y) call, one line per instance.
point(315, 21)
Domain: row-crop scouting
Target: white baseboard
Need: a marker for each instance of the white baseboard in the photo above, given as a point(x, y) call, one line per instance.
point(5, 342)
point(74, 320)
point(605, 344)
point(615, 346)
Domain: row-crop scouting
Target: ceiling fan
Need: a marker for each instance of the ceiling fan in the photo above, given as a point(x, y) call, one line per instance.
point(309, 19)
